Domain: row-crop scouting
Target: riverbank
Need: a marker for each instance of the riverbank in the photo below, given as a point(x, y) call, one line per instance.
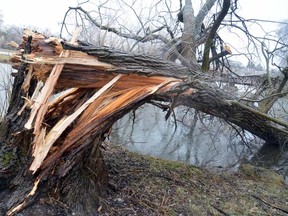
point(143, 185)
point(5, 55)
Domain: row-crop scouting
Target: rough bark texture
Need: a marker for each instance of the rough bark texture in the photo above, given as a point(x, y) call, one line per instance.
point(130, 63)
point(211, 36)
point(211, 101)
point(73, 174)
point(208, 99)
point(73, 194)
point(188, 48)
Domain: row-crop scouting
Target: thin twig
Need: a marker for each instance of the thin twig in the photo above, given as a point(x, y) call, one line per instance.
point(269, 204)
point(280, 95)
point(219, 210)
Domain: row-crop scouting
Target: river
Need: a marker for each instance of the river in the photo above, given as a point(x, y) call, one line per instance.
point(6, 81)
point(197, 139)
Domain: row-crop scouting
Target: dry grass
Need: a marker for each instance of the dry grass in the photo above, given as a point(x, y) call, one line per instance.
point(143, 185)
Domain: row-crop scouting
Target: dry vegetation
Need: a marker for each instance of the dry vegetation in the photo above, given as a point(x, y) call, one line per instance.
point(143, 185)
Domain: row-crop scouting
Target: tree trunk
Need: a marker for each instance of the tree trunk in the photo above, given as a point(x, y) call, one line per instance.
point(188, 37)
point(71, 176)
point(60, 193)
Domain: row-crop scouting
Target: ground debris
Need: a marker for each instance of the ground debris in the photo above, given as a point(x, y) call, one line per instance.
point(143, 185)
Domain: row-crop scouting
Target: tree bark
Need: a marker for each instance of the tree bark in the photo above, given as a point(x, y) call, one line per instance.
point(188, 47)
point(211, 36)
point(72, 177)
point(79, 191)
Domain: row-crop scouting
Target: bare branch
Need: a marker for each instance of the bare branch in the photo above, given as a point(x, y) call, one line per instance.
point(217, 23)
point(202, 14)
point(118, 32)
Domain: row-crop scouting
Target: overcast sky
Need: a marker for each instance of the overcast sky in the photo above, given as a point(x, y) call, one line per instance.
point(48, 14)
point(39, 13)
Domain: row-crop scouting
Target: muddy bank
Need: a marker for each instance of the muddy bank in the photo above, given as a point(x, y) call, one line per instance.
point(143, 185)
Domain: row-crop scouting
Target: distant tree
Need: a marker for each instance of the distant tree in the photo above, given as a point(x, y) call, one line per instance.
point(14, 33)
point(281, 54)
point(1, 18)
point(8, 34)
point(251, 65)
point(259, 67)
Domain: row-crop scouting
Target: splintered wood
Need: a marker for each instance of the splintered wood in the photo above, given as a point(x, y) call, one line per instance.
point(79, 99)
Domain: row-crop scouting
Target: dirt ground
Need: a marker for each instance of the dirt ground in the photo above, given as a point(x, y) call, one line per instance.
point(146, 186)
point(143, 185)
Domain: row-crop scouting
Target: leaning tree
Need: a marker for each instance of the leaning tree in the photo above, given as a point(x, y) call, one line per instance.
point(67, 95)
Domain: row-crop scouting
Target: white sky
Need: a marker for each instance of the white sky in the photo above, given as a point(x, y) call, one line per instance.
point(48, 14)
point(38, 13)
point(264, 9)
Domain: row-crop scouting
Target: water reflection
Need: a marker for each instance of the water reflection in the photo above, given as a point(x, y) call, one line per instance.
point(6, 81)
point(271, 157)
point(197, 138)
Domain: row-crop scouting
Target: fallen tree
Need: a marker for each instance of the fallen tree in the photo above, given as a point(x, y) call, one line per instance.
point(67, 95)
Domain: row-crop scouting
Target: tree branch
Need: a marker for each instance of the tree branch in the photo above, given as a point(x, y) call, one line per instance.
point(202, 14)
point(145, 38)
point(209, 42)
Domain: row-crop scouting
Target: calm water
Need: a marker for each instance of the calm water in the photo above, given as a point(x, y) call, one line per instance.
point(6, 81)
point(199, 139)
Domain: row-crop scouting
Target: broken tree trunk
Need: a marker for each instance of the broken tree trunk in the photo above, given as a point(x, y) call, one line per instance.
point(65, 99)
point(194, 92)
